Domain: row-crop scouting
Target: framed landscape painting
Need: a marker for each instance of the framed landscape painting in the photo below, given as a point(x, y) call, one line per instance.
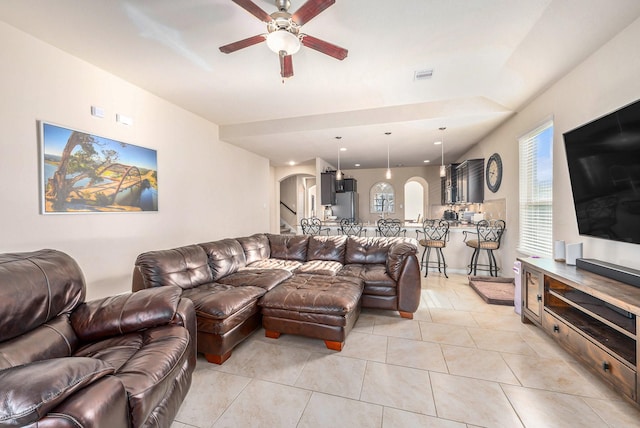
point(84, 173)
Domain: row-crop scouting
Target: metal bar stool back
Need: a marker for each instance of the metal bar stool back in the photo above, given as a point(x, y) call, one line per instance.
point(435, 234)
point(350, 227)
point(487, 237)
point(390, 227)
point(312, 226)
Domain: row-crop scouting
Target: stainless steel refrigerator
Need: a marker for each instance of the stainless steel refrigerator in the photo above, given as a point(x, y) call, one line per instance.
point(346, 205)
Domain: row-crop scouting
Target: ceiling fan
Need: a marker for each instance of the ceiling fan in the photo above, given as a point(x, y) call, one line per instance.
point(283, 32)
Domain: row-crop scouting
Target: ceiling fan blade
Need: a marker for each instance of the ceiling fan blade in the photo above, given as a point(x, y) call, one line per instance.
point(310, 10)
point(286, 66)
point(324, 47)
point(253, 9)
point(235, 46)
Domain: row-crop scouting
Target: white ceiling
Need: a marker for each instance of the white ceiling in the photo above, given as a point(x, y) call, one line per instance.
point(489, 58)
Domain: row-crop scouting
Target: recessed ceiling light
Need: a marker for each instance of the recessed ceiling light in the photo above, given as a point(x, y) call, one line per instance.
point(338, 137)
point(437, 143)
point(357, 165)
point(292, 163)
point(426, 161)
point(343, 149)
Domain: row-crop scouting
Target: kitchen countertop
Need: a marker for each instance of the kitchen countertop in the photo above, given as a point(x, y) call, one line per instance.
point(456, 252)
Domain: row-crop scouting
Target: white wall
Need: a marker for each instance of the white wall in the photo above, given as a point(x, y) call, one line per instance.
point(607, 80)
point(207, 189)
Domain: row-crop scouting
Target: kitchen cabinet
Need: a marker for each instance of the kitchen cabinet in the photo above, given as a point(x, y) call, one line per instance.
point(450, 184)
point(328, 188)
point(470, 182)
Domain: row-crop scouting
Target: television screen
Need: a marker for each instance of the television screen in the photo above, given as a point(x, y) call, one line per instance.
point(604, 168)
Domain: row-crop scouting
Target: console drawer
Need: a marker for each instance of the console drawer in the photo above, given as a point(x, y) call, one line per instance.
point(609, 367)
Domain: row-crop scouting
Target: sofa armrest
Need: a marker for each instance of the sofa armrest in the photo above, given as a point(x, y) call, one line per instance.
point(396, 257)
point(404, 268)
point(125, 313)
point(186, 317)
point(34, 389)
point(103, 404)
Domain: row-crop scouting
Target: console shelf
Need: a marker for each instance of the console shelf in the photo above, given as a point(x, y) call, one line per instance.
point(593, 317)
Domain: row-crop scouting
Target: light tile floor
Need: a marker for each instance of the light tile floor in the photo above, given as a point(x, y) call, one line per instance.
point(458, 363)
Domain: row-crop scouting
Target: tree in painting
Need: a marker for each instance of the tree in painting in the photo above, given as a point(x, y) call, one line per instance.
point(77, 165)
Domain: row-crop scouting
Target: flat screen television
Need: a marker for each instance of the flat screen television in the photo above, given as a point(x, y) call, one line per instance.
point(604, 169)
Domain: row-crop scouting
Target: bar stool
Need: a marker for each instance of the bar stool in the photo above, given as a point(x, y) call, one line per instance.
point(350, 227)
point(390, 227)
point(312, 226)
point(488, 236)
point(436, 235)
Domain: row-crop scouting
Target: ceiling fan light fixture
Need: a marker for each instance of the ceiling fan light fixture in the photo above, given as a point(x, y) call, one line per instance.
point(283, 41)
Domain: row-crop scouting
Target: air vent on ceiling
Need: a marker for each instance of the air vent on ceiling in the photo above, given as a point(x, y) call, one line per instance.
point(423, 74)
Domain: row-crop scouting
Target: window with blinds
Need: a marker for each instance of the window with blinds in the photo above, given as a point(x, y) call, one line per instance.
point(536, 191)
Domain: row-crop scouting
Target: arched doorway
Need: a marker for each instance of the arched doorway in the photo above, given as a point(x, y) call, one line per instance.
point(297, 200)
point(416, 199)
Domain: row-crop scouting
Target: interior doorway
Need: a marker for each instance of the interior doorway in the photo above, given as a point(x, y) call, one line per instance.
point(416, 199)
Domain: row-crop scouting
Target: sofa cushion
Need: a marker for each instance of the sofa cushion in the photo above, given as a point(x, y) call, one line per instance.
point(290, 265)
point(365, 250)
point(320, 267)
point(263, 278)
point(376, 280)
point(146, 362)
point(289, 247)
point(32, 390)
point(256, 247)
point(186, 267)
point(225, 257)
point(219, 301)
point(331, 248)
point(52, 281)
point(54, 339)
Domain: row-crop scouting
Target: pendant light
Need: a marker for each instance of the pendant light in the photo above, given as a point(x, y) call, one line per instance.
point(443, 170)
point(388, 174)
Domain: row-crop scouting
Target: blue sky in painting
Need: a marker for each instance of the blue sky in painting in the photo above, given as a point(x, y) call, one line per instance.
point(56, 137)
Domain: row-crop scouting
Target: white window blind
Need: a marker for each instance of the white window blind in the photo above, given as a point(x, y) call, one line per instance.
point(536, 191)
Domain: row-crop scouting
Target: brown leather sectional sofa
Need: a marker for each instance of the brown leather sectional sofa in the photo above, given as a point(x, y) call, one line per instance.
point(121, 361)
point(299, 284)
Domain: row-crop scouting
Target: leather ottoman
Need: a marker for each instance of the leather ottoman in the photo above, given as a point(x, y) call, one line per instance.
point(319, 306)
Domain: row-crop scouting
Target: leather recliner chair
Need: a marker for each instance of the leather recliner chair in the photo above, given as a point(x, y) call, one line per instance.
point(121, 361)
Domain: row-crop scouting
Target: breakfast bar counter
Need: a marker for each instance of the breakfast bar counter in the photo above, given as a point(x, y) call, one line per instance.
point(456, 253)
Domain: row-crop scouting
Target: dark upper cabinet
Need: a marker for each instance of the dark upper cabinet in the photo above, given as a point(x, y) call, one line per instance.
point(470, 182)
point(328, 188)
point(350, 185)
point(450, 184)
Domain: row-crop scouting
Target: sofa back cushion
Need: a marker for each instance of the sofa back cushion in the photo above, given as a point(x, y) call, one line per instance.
point(53, 339)
point(363, 250)
point(256, 247)
point(36, 287)
point(289, 247)
point(225, 257)
point(328, 248)
point(186, 267)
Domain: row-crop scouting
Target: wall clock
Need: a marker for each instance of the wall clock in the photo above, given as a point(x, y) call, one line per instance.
point(494, 172)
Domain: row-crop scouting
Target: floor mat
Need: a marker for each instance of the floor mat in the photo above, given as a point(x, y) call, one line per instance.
point(494, 290)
